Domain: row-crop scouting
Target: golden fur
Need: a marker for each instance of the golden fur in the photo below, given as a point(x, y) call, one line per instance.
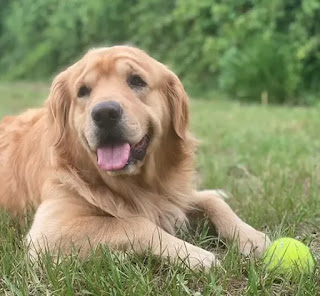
point(48, 160)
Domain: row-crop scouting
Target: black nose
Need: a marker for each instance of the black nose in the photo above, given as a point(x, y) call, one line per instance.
point(106, 114)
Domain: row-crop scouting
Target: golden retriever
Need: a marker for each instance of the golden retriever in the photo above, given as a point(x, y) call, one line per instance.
point(109, 160)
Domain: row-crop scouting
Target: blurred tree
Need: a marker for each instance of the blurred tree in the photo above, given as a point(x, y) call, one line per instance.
point(3, 10)
point(246, 47)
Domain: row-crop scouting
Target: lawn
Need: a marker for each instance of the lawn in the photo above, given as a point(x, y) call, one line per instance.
point(267, 158)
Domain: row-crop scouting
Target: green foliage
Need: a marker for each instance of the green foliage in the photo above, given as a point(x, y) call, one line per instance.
point(246, 48)
point(262, 67)
point(42, 36)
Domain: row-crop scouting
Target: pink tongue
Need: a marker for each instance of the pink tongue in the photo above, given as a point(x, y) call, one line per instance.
point(114, 157)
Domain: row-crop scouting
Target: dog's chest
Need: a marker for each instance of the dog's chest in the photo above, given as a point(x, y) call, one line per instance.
point(164, 213)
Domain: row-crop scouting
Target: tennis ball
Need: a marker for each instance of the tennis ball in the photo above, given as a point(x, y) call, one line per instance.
point(290, 257)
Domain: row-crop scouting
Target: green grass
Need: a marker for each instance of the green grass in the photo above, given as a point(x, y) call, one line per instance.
point(267, 158)
point(18, 96)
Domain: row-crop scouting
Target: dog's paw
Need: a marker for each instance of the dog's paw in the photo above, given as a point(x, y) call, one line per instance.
point(252, 241)
point(202, 259)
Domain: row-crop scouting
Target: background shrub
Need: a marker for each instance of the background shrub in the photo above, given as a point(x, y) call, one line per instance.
point(245, 48)
point(263, 66)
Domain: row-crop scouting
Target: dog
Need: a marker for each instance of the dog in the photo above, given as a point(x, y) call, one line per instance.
point(109, 160)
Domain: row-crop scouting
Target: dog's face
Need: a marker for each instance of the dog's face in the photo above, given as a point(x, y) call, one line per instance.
point(121, 104)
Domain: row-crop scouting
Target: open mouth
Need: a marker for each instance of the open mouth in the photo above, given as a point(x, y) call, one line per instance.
point(115, 157)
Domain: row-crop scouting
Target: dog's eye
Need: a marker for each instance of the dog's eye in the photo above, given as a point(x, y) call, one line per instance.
point(84, 91)
point(135, 81)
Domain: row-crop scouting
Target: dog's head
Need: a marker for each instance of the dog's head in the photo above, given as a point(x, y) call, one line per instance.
point(121, 104)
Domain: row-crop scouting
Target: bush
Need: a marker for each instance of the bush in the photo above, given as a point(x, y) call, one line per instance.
point(244, 47)
point(264, 68)
point(41, 36)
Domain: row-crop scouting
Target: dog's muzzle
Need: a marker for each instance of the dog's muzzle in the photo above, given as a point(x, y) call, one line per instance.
point(114, 152)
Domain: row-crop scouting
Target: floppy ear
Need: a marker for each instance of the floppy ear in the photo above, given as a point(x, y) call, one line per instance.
point(179, 106)
point(59, 105)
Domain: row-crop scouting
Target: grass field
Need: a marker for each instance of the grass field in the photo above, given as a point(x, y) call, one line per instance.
point(268, 158)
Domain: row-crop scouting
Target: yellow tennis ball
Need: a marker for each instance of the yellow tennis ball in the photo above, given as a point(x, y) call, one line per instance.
point(288, 256)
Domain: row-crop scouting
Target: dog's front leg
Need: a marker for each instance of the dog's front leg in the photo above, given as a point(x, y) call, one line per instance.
point(63, 223)
point(228, 224)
